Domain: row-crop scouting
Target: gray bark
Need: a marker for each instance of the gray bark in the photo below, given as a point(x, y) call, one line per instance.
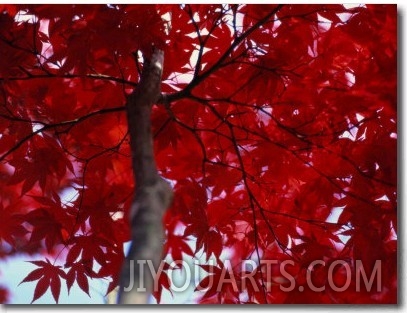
point(153, 195)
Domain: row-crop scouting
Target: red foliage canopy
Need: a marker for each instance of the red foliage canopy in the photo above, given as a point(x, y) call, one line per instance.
point(279, 138)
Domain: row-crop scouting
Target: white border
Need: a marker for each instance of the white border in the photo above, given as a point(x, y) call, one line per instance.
point(402, 246)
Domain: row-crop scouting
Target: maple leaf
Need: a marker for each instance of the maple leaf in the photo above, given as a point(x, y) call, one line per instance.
point(11, 228)
point(48, 276)
point(45, 160)
point(79, 272)
point(178, 245)
point(45, 226)
point(221, 282)
point(164, 282)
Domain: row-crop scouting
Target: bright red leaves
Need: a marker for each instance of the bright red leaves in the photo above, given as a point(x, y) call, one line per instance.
point(280, 141)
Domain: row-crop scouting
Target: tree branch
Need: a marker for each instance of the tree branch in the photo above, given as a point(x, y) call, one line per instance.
point(152, 195)
point(198, 78)
point(45, 127)
point(30, 76)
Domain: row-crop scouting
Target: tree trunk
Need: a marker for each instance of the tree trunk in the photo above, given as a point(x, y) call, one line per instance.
point(153, 194)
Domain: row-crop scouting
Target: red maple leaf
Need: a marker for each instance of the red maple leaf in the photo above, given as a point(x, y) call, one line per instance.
point(48, 276)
